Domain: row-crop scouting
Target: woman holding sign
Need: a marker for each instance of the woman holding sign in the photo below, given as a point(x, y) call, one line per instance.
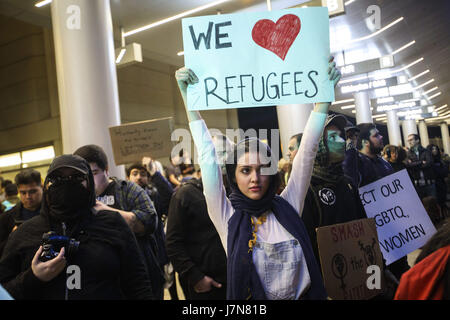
point(269, 255)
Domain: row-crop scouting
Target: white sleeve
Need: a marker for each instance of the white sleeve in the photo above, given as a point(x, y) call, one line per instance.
point(219, 207)
point(302, 167)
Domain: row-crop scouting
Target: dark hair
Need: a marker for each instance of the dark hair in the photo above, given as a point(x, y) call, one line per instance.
point(416, 136)
point(439, 240)
point(28, 176)
point(137, 166)
point(93, 154)
point(430, 149)
point(11, 190)
point(5, 183)
point(298, 137)
point(401, 154)
point(187, 168)
point(364, 133)
point(433, 209)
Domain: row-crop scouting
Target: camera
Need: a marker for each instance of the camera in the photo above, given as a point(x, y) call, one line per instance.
point(52, 243)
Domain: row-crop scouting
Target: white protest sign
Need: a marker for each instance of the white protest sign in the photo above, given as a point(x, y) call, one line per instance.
point(253, 59)
point(403, 225)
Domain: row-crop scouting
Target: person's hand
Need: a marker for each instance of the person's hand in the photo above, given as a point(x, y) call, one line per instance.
point(99, 206)
point(206, 284)
point(48, 270)
point(149, 164)
point(185, 77)
point(333, 73)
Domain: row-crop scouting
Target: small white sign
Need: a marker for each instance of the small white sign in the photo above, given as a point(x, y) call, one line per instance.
point(403, 225)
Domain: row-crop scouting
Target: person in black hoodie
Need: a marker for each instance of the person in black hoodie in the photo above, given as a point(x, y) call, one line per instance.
point(331, 197)
point(194, 246)
point(107, 258)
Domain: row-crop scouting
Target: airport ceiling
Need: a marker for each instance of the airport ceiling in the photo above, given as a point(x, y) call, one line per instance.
point(424, 32)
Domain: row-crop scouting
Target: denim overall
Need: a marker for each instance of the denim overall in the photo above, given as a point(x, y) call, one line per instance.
point(282, 269)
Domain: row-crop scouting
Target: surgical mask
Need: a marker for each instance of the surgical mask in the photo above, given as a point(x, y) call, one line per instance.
point(336, 147)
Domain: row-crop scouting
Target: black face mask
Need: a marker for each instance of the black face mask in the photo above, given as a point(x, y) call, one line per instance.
point(66, 199)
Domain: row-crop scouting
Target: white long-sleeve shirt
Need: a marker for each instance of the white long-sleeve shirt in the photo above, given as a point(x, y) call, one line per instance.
point(219, 206)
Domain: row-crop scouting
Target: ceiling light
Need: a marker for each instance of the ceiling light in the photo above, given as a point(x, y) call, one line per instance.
point(352, 80)
point(404, 47)
point(175, 17)
point(377, 32)
point(342, 101)
point(427, 92)
point(409, 65)
point(9, 160)
point(121, 54)
point(352, 106)
point(42, 3)
point(423, 84)
point(435, 95)
point(39, 154)
point(441, 107)
point(419, 75)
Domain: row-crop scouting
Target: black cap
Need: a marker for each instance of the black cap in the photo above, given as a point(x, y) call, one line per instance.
point(338, 120)
point(349, 126)
point(69, 161)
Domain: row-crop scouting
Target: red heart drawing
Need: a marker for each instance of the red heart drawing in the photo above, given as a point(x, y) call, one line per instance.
point(277, 37)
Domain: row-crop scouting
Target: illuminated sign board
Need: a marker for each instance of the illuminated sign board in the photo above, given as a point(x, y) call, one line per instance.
point(368, 65)
point(349, 88)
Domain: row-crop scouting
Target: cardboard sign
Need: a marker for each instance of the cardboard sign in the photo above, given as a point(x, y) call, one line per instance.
point(403, 225)
point(132, 141)
point(346, 251)
point(258, 58)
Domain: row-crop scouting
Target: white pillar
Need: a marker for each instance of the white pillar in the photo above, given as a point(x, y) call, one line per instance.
point(86, 72)
point(423, 133)
point(292, 120)
point(362, 107)
point(408, 127)
point(445, 137)
point(393, 126)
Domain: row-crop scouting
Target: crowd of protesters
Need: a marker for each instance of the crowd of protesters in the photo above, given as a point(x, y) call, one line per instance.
point(228, 228)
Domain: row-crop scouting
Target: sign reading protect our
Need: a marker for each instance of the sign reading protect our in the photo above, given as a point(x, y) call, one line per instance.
point(403, 225)
point(258, 59)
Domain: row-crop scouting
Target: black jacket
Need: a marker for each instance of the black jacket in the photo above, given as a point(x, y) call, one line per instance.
point(328, 203)
point(8, 221)
point(110, 264)
point(108, 256)
point(192, 242)
point(420, 167)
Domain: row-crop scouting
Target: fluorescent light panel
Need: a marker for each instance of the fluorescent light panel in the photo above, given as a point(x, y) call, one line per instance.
point(435, 95)
point(377, 32)
point(419, 75)
point(404, 47)
point(121, 54)
point(42, 3)
point(342, 101)
point(441, 107)
point(352, 106)
point(175, 17)
point(432, 89)
point(424, 84)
